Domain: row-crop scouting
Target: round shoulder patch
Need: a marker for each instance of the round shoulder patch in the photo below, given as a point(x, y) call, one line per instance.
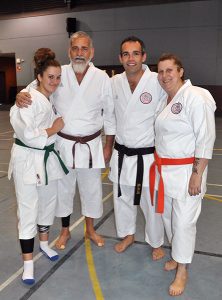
point(145, 98)
point(176, 108)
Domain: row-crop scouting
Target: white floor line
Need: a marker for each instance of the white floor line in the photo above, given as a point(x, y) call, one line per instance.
point(7, 139)
point(19, 272)
point(6, 132)
point(214, 184)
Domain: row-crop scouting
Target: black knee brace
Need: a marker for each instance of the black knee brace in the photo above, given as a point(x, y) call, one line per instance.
point(43, 229)
point(66, 221)
point(27, 246)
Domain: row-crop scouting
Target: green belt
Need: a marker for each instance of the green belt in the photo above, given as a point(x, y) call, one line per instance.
point(47, 150)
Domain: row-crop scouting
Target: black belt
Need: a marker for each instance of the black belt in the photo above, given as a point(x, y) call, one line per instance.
point(82, 140)
point(123, 150)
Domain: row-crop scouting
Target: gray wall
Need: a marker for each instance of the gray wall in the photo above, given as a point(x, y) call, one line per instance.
point(191, 30)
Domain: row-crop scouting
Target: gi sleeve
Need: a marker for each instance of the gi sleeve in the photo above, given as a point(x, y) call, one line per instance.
point(203, 123)
point(108, 109)
point(24, 125)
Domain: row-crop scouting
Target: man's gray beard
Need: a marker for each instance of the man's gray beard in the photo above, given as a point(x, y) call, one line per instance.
point(80, 67)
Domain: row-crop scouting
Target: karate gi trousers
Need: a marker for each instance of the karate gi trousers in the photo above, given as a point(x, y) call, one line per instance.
point(180, 218)
point(126, 213)
point(90, 190)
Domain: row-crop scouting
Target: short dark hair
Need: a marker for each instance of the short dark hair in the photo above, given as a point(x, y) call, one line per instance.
point(133, 39)
point(175, 58)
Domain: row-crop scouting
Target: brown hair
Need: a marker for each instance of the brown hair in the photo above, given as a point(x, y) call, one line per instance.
point(44, 58)
point(176, 60)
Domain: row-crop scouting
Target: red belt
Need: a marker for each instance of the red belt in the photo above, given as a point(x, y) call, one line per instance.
point(159, 162)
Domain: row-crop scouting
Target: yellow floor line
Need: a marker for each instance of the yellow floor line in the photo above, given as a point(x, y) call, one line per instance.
point(90, 261)
point(105, 173)
point(212, 198)
point(214, 195)
point(92, 270)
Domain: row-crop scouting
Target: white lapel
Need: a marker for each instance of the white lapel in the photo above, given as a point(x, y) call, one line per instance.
point(133, 97)
point(176, 101)
point(77, 89)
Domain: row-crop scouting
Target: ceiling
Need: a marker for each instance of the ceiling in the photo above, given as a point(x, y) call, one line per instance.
point(35, 7)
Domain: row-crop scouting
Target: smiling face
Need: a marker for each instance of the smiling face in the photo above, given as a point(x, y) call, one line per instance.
point(170, 76)
point(49, 80)
point(80, 52)
point(132, 58)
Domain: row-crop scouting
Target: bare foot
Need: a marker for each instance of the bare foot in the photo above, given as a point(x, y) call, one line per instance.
point(178, 285)
point(124, 244)
point(95, 238)
point(170, 265)
point(63, 239)
point(158, 253)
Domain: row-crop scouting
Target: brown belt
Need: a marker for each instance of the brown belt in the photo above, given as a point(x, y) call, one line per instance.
point(81, 140)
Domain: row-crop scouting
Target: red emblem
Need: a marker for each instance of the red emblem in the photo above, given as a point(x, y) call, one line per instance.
point(145, 98)
point(176, 108)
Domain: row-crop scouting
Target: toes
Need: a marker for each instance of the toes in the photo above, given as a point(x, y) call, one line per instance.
point(96, 239)
point(61, 242)
point(158, 253)
point(124, 244)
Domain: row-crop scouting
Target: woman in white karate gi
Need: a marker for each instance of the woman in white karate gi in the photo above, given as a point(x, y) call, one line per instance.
point(34, 162)
point(185, 135)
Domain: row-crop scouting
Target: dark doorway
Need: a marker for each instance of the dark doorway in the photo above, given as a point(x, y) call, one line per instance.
point(8, 85)
point(2, 87)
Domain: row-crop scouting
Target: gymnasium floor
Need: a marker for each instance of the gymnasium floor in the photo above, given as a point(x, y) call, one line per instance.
point(85, 272)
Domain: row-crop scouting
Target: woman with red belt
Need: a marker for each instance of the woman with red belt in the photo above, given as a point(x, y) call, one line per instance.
point(185, 135)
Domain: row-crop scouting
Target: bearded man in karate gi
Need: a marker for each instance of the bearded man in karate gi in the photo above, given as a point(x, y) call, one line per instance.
point(136, 95)
point(84, 100)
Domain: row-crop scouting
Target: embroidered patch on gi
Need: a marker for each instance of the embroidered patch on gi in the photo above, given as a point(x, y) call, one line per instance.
point(145, 98)
point(176, 108)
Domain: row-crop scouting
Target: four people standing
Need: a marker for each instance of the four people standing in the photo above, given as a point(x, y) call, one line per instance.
point(138, 99)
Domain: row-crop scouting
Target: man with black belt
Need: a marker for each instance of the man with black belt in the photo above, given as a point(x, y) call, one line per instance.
point(136, 94)
point(84, 100)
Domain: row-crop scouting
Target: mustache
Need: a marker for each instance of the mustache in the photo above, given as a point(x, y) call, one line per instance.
point(79, 59)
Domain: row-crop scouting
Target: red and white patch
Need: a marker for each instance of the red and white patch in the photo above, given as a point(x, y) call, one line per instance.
point(145, 98)
point(176, 108)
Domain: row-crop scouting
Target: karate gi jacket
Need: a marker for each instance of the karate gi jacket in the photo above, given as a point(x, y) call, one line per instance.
point(185, 128)
point(85, 108)
point(30, 126)
point(135, 123)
